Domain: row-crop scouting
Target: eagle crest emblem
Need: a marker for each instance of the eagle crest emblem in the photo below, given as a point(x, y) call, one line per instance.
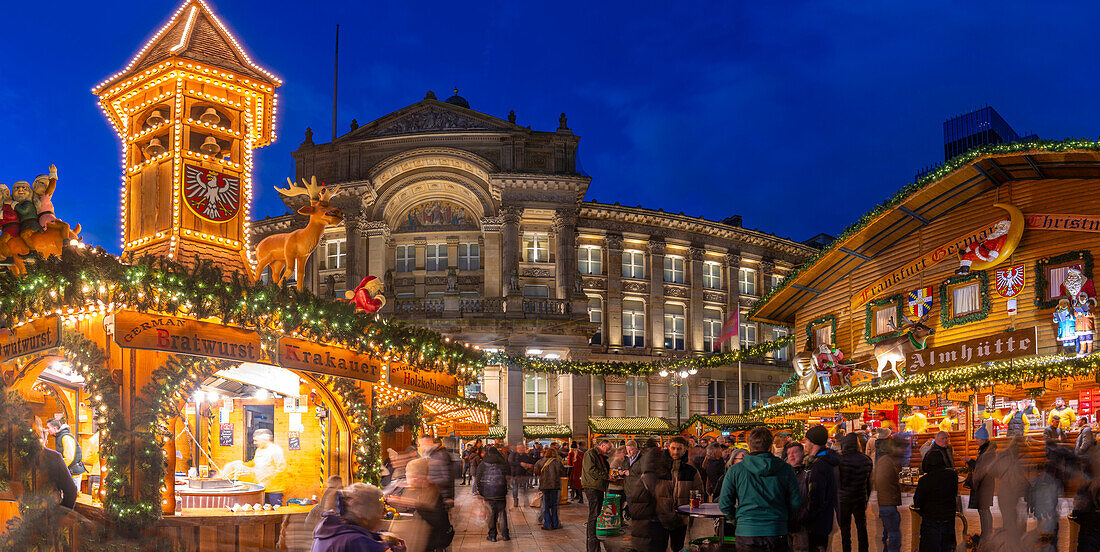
point(1010, 281)
point(211, 195)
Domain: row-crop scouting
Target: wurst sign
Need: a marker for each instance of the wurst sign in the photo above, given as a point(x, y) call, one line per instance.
point(190, 337)
point(419, 381)
point(299, 354)
point(999, 346)
point(32, 337)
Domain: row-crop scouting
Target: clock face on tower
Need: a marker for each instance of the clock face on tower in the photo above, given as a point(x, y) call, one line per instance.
point(211, 195)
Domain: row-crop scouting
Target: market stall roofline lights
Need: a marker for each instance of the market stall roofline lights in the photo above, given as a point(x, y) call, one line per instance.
point(832, 264)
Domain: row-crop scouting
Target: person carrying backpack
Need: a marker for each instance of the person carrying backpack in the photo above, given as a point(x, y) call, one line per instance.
point(855, 489)
point(492, 485)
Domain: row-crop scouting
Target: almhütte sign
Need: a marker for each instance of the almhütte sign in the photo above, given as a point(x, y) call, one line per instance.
point(1001, 346)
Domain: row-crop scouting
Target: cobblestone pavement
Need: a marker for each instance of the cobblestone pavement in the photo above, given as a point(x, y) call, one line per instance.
point(527, 535)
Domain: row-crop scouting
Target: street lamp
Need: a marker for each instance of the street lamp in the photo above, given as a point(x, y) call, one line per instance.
point(678, 382)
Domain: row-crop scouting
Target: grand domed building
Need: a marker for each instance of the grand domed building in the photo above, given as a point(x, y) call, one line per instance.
point(479, 229)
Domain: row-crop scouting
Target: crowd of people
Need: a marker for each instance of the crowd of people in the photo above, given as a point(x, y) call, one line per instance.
point(778, 493)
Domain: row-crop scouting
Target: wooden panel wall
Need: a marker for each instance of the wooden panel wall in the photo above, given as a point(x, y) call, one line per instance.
point(1042, 196)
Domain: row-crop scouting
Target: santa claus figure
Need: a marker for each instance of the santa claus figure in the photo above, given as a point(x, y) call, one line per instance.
point(367, 296)
point(1075, 284)
point(986, 250)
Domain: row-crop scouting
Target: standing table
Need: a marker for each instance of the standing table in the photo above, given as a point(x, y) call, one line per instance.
point(707, 510)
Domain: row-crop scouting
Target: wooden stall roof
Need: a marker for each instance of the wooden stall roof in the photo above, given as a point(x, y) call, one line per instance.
point(917, 205)
point(632, 426)
point(543, 431)
point(495, 432)
point(724, 422)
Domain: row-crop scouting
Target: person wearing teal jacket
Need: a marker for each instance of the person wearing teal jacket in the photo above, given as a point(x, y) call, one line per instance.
point(761, 494)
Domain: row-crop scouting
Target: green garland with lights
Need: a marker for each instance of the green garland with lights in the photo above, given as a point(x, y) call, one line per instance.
point(640, 368)
point(962, 379)
point(1041, 281)
point(946, 320)
point(831, 319)
point(788, 386)
point(869, 320)
point(365, 443)
point(954, 164)
point(95, 279)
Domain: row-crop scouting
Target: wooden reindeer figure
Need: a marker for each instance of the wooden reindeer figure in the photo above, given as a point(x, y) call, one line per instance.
point(892, 352)
point(280, 251)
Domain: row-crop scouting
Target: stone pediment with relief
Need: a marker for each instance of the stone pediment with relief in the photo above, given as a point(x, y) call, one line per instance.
point(431, 118)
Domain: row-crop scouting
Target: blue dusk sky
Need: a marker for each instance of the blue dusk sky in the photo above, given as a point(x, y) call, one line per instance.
point(800, 116)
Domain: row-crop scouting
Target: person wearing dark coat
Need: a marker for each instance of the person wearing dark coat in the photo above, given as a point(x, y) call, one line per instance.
point(854, 491)
point(492, 485)
point(648, 469)
point(714, 470)
point(821, 465)
point(353, 525)
point(982, 481)
point(935, 498)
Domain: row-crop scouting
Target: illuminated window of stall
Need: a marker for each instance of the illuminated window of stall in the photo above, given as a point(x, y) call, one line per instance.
point(885, 319)
point(965, 298)
point(823, 334)
point(1056, 274)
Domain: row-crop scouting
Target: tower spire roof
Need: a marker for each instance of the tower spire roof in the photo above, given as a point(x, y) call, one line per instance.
point(194, 32)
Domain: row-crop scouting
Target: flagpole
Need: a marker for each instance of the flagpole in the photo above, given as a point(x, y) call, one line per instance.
point(740, 389)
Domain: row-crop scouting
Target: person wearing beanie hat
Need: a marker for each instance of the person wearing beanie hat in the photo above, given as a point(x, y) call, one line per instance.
point(821, 465)
point(981, 480)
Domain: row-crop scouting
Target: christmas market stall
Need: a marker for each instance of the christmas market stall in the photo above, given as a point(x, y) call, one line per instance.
point(968, 297)
point(733, 425)
point(620, 430)
point(197, 398)
point(548, 433)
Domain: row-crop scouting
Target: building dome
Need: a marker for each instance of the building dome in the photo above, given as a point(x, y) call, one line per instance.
point(458, 100)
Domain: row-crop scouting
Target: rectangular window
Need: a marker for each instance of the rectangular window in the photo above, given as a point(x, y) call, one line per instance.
point(435, 257)
point(885, 319)
point(535, 394)
point(336, 253)
point(675, 327)
point(712, 275)
point(590, 259)
point(536, 292)
point(1056, 275)
point(748, 335)
point(406, 258)
point(628, 393)
point(780, 353)
point(633, 324)
point(751, 396)
point(641, 396)
point(716, 397)
point(746, 281)
point(595, 315)
point(633, 264)
point(823, 334)
point(674, 269)
point(712, 329)
point(469, 256)
point(598, 406)
point(536, 248)
point(965, 299)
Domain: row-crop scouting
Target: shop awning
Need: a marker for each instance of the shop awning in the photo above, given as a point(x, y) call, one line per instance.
point(547, 431)
point(495, 432)
point(632, 426)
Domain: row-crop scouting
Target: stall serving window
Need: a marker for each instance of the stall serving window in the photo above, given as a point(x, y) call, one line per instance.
point(964, 299)
point(822, 331)
point(883, 318)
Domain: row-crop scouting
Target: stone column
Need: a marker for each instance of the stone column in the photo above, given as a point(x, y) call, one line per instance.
point(614, 304)
point(510, 248)
point(354, 264)
point(655, 322)
point(733, 263)
point(511, 412)
point(658, 397)
point(614, 396)
point(377, 233)
point(565, 226)
point(492, 284)
point(578, 404)
point(697, 404)
point(767, 268)
point(695, 307)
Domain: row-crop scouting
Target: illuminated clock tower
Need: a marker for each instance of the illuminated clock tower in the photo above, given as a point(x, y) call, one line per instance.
point(189, 108)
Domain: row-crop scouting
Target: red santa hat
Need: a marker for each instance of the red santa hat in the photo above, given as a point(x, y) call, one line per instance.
point(365, 280)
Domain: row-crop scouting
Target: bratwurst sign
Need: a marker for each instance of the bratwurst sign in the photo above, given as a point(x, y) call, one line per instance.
point(189, 337)
point(999, 346)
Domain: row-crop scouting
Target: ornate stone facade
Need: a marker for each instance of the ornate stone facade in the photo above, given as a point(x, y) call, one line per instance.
point(480, 230)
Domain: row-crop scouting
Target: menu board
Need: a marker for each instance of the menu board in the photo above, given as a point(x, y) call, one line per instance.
point(225, 435)
point(294, 441)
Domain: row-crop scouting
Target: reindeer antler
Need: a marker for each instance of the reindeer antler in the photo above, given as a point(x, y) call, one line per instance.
point(328, 191)
point(309, 188)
